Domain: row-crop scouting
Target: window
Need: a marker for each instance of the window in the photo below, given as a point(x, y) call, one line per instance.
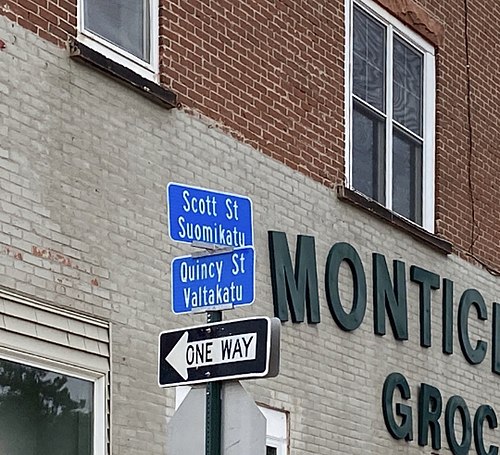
point(43, 411)
point(122, 30)
point(391, 93)
point(54, 380)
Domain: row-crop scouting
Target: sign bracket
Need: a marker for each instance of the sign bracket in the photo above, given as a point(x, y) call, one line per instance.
point(210, 248)
point(223, 307)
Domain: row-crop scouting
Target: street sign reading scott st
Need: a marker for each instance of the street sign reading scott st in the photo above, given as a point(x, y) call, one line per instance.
point(211, 217)
point(237, 349)
point(205, 282)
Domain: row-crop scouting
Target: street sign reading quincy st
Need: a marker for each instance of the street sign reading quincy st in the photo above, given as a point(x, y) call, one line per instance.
point(209, 217)
point(205, 282)
point(236, 349)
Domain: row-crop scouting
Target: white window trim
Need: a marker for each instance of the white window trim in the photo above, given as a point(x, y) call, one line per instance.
point(276, 429)
point(24, 338)
point(146, 70)
point(429, 116)
point(97, 378)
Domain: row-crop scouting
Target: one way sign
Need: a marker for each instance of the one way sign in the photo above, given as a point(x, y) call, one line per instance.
point(242, 348)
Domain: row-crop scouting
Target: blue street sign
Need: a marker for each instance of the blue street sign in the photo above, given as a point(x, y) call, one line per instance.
point(212, 217)
point(204, 283)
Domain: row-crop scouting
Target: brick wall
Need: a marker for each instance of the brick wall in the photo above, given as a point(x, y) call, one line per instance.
point(53, 20)
point(468, 173)
point(270, 71)
point(84, 163)
point(272, 74)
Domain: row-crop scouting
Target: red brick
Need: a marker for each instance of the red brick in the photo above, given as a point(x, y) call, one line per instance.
point(272, 74)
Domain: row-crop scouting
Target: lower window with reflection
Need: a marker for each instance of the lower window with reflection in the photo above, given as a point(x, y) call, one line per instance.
point(44, 412)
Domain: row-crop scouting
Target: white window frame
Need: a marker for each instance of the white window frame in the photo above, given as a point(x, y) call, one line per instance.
point(36, 333)
point(99, 389)
point(393, 25)
point(276, 429)
point(144, 69)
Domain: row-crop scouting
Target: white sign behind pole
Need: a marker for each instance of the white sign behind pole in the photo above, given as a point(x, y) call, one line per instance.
point(226, 350)
point(243, 425)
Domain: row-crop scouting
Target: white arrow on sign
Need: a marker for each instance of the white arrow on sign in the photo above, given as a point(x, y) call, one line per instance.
point(195, 354)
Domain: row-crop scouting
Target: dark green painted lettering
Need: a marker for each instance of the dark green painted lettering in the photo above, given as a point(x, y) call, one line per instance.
point(426, 281)
point(471, 297)
point(430, 405)
point(447, 316)
point(495, 359)
point(387, 297)
point(294, 291)
point(339, 253)
point(404, 429)
point(457, 403)
point(483, 413)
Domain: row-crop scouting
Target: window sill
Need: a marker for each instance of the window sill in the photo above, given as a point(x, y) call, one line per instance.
point(369, 205)
point(151, 90)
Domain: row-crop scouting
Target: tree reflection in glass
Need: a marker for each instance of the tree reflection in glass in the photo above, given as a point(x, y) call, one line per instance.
point(43, 412)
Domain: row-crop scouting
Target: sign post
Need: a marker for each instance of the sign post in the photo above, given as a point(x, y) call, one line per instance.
point(220, 278)
point(213, 423)
point(217, 351)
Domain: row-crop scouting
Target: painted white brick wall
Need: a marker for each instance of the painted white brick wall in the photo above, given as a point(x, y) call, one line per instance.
point(84, 163)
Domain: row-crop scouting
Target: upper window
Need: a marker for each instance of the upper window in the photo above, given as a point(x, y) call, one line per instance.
point(391, 93)
point(123, 30)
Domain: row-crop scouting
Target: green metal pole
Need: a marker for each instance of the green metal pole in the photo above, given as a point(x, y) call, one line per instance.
point(213, 406)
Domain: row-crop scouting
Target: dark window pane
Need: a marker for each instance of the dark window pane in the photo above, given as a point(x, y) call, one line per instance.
point(375, 88)
point(271, 450)
point(408, 86)
point(42, 412)
point(121, 22)
point(359, 72)
point(407, 177)
point(368, 59)
point(368, 163)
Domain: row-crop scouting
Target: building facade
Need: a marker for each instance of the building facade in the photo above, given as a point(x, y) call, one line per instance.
point(364, 133)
